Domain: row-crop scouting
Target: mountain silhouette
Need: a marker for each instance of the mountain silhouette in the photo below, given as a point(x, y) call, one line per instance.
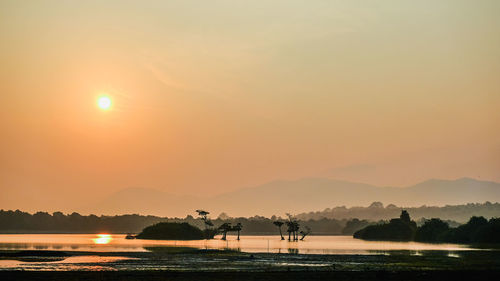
point(303, 195)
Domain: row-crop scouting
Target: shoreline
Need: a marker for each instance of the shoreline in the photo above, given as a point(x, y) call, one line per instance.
point(183, 259)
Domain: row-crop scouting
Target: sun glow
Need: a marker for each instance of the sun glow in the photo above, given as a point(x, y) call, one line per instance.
point(104, 102)
point(102, 239)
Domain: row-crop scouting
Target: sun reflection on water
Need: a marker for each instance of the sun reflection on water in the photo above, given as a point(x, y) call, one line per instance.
point(102, 239)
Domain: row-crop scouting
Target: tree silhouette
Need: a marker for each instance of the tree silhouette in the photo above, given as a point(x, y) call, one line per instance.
point(204, 217)
point(296, 227)
point(238, 228)
point(404, 217)
point(289, 228)
point(433, 230)
point(279, 224)
point(399, 229)
point(208, 223)
point(292, 228)
point(224, 228)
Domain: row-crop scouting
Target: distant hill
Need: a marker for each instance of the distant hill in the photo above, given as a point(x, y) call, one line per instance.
point(298, 196)
point(317, 194)
point(376, 211)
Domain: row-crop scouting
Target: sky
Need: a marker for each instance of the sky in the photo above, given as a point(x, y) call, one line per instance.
point(213, 96)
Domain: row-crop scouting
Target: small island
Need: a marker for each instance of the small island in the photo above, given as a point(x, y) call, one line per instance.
point(186, 231)
point(173, 231)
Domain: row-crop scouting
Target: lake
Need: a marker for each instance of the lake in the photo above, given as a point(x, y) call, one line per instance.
point(112, 252)
point(251, 244)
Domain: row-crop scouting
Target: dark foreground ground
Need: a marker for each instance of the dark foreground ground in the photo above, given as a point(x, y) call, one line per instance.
point(188, 264)
point(202, 276)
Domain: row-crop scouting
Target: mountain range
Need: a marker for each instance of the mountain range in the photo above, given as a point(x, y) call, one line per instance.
point(298, 196)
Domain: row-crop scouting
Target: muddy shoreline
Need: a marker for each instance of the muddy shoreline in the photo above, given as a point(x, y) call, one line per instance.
point(181, 259)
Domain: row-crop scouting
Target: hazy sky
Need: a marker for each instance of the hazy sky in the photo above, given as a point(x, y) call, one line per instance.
point(212, 96)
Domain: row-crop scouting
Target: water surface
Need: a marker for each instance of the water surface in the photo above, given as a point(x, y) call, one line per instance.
point(251, 244)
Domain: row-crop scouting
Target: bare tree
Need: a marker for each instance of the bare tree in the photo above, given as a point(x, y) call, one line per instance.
point(305, 233)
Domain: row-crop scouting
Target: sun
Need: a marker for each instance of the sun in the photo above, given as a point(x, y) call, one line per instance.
point(104, 102)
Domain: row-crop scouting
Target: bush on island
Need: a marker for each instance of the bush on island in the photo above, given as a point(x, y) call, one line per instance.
point(174, 231)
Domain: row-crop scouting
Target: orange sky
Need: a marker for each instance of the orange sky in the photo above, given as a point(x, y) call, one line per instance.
point(212, 96)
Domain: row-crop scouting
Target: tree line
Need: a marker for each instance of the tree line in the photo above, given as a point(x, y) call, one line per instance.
point(57, 222)
point(476, 230)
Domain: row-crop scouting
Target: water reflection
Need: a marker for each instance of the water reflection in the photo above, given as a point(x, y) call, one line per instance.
point(102, 239)
point(93, 259)
point(453, 255)
point(64, 264)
